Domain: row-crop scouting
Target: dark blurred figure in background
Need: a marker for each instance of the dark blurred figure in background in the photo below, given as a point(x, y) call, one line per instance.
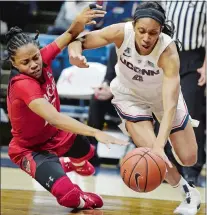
point(189, 18)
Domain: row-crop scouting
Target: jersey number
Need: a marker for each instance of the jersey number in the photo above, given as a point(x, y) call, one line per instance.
point(137, 78)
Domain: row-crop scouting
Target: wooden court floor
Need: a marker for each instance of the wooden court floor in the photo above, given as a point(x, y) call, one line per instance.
point(19, 202)
point(22, 195)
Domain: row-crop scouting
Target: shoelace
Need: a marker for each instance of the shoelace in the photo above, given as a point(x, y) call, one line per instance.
point(188, 194)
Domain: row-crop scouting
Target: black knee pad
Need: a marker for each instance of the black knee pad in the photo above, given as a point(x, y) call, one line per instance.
point(169, 153)
point(80, 148)
point(48, 170)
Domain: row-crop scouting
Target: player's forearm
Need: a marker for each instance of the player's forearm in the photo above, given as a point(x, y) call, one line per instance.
point(166, 126)
point(170, 100)
point(69, 124)
point(74, 30)
point(75, 48)
point(63, 40)
point(76, 27)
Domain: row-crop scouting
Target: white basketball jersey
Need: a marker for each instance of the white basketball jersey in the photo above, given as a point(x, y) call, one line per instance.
point(138, 72)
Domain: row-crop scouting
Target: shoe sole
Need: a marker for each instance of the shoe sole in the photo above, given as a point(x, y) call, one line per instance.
point(198, 209)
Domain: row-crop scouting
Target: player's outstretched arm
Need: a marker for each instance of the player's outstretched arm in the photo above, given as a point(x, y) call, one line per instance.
point(47, 111)
point(95, 39)
point(170, 63)
point(85, 17)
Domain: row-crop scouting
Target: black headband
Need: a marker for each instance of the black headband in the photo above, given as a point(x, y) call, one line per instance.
point(151, 13)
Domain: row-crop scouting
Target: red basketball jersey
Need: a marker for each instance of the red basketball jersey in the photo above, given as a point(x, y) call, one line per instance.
point(29, 129)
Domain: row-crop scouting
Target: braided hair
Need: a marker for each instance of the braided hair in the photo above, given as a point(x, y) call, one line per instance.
point(15, 38)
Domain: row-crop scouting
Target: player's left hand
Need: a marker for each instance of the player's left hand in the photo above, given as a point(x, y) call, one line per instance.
point(159, 151)
point(107, 139)
point(202, 72)
point(78, 60)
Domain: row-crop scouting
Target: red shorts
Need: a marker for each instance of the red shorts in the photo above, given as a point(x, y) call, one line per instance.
point(58, 145)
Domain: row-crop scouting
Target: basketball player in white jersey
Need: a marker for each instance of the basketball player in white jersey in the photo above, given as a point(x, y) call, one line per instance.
point(148, 82)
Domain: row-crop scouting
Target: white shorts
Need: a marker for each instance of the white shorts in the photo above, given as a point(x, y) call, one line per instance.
point(134, 107)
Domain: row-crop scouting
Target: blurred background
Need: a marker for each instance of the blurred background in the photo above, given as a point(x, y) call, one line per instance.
point(78, 87)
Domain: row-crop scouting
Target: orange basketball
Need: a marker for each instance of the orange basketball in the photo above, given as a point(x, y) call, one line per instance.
point(142, 171)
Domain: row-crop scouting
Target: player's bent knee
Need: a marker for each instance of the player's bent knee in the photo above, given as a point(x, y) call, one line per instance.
point(66, 194)
point(189, 159)
point(88, 156)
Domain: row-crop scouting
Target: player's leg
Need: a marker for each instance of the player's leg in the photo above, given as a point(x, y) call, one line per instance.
point(182, 135)
point(185, 147)
point(141, 130)
point(46, 169)
point(142, 134)
point(194, 98)
point(137, 121)
point(76, 159)
point(182, 140)
point(168, 149)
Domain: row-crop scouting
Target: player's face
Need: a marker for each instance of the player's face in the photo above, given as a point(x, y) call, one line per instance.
point(147, 31)
point(28, 60)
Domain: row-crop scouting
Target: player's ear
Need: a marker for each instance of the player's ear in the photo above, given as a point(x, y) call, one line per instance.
point(13, 63)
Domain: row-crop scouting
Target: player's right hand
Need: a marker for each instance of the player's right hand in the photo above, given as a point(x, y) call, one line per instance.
point(108, 139)
point(78, 60)
point(159, 151)
point(202, 72)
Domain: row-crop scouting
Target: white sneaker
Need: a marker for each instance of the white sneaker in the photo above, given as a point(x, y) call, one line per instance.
point(191, 204)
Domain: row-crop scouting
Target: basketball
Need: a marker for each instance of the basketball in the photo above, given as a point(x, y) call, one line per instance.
point(142, 171)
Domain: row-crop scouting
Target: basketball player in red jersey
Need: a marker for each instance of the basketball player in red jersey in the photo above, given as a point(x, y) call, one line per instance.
point(42, 135)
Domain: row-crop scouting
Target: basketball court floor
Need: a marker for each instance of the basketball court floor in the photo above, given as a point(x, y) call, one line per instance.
point(21, 195)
